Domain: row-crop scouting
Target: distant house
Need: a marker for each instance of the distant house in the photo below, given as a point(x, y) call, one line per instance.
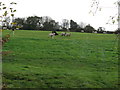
point(104, 32)
point(94, 31)
point(4, 27)
point(82, 30)
point(17, 28)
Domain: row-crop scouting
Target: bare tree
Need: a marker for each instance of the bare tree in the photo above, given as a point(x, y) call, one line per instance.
point(65, 24)
point(6, 12)
point(115, 18)
point(82, 24)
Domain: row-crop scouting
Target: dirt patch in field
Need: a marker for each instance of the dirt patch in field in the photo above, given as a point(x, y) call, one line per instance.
point(5, 52)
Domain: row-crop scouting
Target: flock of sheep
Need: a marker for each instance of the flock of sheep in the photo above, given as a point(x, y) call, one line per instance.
point(52, 35)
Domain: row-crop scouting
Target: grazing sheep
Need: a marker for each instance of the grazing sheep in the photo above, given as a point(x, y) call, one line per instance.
point(52, 35)
point(63, 34)
point(68, 34)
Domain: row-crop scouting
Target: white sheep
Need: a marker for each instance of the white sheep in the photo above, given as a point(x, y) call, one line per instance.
point(63, 34)
point(68, 34)
point(52, 35)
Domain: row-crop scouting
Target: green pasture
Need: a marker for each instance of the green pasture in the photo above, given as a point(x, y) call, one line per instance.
point(31, 59)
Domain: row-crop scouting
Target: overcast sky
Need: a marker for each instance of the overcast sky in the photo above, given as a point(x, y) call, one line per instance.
point(77, 10)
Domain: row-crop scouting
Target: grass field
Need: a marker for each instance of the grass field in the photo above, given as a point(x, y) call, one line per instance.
point(80, 61)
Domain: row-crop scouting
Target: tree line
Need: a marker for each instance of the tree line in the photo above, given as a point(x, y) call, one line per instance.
point(46, 23)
